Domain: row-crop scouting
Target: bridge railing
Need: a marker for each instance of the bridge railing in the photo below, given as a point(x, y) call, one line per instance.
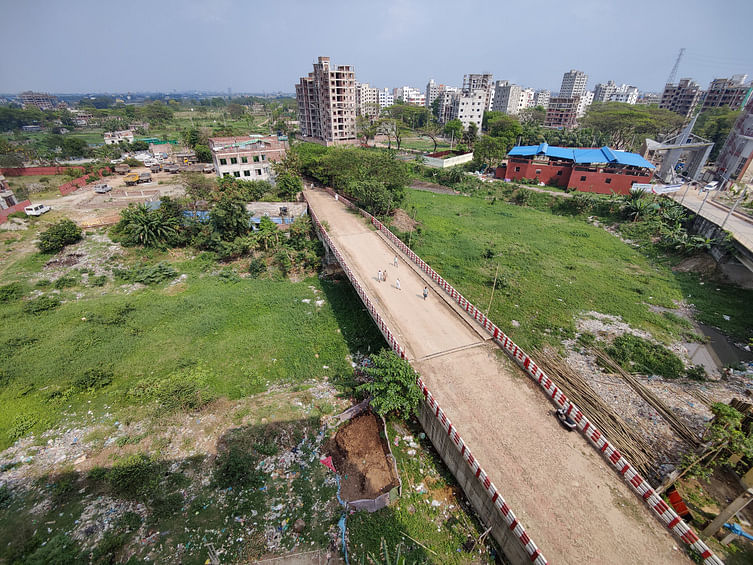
point(531, 549)
point(595, 437)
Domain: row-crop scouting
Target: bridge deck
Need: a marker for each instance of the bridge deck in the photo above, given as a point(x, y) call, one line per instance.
point(572, 504)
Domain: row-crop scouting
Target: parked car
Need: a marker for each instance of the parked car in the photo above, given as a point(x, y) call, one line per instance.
point(102, 188)
point(713, 185)
point(37, 209)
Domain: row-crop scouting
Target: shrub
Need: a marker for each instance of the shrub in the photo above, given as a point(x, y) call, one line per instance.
point(21, 425)
point(98, 280)
point(132, 476)
point(185, 390)
point(257, 267)
point(65, 281)
point(41, 304)
point(58, 235)
point(150, 274)
point(639, 355)
point(697, 373)
point(12, 291)
point(392, 386)
point(92, 379)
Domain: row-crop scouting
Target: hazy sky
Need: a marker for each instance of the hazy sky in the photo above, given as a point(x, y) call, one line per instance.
point(257, 46)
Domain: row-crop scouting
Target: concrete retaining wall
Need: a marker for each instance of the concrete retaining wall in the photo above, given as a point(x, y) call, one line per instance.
point(449, 162)
point(473, 489)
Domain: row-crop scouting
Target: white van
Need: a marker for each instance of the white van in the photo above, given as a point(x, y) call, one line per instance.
point(37, 209)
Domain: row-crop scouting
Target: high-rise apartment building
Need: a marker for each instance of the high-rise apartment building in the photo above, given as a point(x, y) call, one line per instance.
point(732, 92)
point(735, 161)
point(471, 107)
point(484, 81)
point(648, 98)
point(506, 97)
point(432, 91)
point(39, 99)
point(367, 100)
point(573, 84)
point(584, 102)
point(681, 98)
point(448, 104)
point(541, 98)
point(409, 95)
point(562, 112)
point(327, 104)
point(386, 98)
point(603, 91)
point(624, 93)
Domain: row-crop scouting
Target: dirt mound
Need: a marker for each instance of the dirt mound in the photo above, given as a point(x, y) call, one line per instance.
point(702, 264)
point(402, 221)
point(359, 453)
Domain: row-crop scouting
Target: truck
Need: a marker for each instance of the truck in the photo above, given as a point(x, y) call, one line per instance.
point(131, 179)
point(145, 177)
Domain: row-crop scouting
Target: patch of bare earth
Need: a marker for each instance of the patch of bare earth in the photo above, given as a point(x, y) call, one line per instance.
point(402, 221)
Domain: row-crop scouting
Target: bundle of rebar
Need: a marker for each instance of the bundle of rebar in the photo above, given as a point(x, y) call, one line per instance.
point(682, 430)
point(622, 435)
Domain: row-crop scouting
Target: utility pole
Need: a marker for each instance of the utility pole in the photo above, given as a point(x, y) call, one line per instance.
point(740, 199)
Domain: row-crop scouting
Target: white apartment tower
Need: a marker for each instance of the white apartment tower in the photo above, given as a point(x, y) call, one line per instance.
point(573, 84)
point(432, 92)
point(484, 81)
point(506, 97)
point(327, 104)
point(367, 100)
point(603, 91)
point(471, 108)
point(541, 98)
point(386, 98)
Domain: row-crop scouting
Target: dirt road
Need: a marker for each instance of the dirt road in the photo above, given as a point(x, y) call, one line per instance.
point(572, 504)
point(88, 209)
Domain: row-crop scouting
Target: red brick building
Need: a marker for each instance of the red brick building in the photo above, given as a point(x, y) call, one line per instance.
point(601, 170)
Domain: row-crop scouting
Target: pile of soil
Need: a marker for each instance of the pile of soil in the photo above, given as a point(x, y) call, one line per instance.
point(360, 457)
point(402, 221)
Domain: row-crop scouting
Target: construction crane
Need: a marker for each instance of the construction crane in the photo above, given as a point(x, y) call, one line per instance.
point(673, 74)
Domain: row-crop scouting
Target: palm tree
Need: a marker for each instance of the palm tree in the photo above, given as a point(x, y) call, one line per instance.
point(149, 228)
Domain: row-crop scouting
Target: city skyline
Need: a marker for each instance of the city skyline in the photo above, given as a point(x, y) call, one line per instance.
point(186, 46)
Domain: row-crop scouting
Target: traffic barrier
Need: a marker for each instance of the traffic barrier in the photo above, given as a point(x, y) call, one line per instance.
point(497, 499)
point(595, 437)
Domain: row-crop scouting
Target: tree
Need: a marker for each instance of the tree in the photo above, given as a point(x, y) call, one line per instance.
point(372, 195)
point(203, 153)
point(58, 235)
point(490, 150)
point(393, 129)
point(715, 124)
point(470, 135)
point(626, 125)
point(146, 227)
point(235, 110)
point(198, 187)
point(392, 387)
point(366, 128)
point(532, 116)
point(432, 130)
point(288, 184)
point(268, 234)
point(229, 218)
point(190, 137)
point(454, 129)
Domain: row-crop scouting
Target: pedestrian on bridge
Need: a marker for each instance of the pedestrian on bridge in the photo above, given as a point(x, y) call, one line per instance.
point(426, 292)
point(397, 284)
point(379, 275)
point(395, 262)
point(384, 274)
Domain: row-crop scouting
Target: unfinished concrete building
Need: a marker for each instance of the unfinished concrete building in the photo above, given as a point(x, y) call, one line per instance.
point(681, 98)
point(327, 104)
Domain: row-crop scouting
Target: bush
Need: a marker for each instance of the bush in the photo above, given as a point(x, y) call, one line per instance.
point(98, 280)
point(41, 304)
point(697, 373)
point(12, 291)
point(58, 236)
point(185, 390)
point(92, 379)
point(65, 281)
point(21, 425)
point(133, 476)
point(639, 355)
point(257, 267)
point(150, 274)
point(392, 386)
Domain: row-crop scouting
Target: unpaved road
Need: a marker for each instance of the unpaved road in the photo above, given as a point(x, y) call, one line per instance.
point(572, 504)
point(88, 209)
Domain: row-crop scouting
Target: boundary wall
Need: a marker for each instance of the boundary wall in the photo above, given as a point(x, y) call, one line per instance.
point(31, 171)
point(508, 531)
point(595, 437)
point(5, 212)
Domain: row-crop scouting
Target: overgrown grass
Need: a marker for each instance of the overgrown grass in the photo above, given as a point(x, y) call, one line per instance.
point(240, 337)
point(552, 268)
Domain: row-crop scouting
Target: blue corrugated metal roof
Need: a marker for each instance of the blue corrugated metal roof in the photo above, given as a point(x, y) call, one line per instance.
point(599, 155)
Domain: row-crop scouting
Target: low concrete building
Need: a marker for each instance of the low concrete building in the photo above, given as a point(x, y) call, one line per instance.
point(123, 136)
point(446, 159)
point(279, 212)
point(602, 170)
point(247, 157)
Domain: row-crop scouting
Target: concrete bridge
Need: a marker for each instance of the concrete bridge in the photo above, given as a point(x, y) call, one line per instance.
point(549, 495)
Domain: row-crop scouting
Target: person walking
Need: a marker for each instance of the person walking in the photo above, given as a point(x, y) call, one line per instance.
point(426, 292)
point(384, 274)
point(379, 275)
point(394, 262)
point(397, 284)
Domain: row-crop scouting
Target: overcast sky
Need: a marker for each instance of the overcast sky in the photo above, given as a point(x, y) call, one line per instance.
point(264, 46)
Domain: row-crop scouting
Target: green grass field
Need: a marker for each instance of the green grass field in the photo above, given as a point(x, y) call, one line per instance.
point(423, 144)
point(245, 335)
point(553, 269)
